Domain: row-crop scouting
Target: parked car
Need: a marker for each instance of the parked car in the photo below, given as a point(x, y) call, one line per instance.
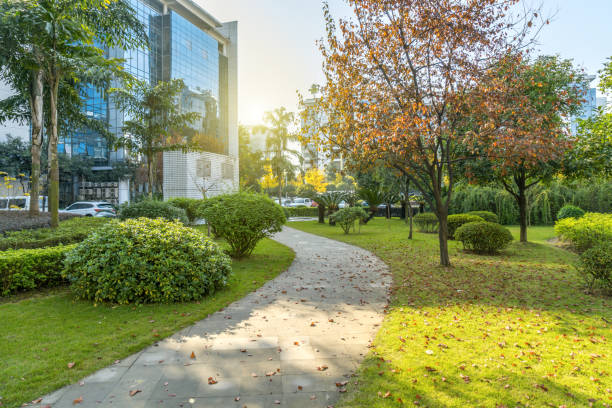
point(301, 202)
point(90, 208)
point(22, 203)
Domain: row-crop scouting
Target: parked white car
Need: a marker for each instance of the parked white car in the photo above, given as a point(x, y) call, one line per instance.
point(299, 202)
point(22, 203)
point(89, 208)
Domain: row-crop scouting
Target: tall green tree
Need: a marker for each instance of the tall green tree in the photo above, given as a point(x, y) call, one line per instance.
point(251, 163)
point(277, 127)
point(156, 121)
point(57, 39)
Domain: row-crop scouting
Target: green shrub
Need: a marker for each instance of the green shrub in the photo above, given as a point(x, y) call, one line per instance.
point(488, 216)
point(69, 232)
point(596, 264)
point(27, 269)
point(190, 205)
point(302, 212)
point(146, 261)
point(483, 236)
point(347, 216)
point(570, 211)
point(426, 222)
point(456, 220)
point(585, 232)
point(152, 209)
point(243, 219)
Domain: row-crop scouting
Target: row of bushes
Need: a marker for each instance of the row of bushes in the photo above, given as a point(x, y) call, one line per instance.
point(591, 236)
point(301, 212)
point(69, 232)
point(27, 269)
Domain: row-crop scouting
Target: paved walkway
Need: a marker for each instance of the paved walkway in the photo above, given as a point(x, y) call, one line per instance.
point(292, 343)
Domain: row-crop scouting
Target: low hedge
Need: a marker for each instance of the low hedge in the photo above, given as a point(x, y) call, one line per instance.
point(456, 220)
point(426, 222)
point(488, 216)
point(69, 232)
point(20, 220)
point(27, 269)
point(596, 265)
point(190, 205)
point(585, 232)
point(483, 236)
point(153, 209)
point(302, 212)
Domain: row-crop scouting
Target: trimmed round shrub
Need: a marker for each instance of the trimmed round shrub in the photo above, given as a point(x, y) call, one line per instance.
point(456, 220)
point(596, 265)
point(426, 222)
point(146, 261)
point(585, 232)
point(347, 216)
point(243, 219)
point(483, 236)
point(488, 216)
point(570, 211)
point(152, 209)
point(190, 205)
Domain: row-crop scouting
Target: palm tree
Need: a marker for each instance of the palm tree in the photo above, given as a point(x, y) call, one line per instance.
point(279, 135)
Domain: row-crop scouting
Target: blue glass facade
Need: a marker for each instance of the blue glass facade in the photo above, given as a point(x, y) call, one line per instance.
point(178, 50)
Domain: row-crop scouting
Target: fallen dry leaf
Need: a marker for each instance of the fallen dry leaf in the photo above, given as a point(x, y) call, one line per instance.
point(70, 365)
point(78, 400)
point(211, 381)
point(134, 392)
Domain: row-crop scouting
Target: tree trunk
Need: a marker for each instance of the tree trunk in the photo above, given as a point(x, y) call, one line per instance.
point(321, 214)
point(522, 203)
point(408, 210)
point(53, 161)
point(36, 109)
point(443, 236)
point(150, 175)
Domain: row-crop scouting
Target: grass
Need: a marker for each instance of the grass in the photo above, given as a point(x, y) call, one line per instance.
point(512, 330)
point(41, 333)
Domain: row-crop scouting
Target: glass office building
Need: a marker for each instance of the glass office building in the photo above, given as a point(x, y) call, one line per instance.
point(185, 43)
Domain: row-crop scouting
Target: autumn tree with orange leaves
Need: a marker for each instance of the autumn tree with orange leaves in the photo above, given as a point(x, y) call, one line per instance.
point(529, 104)
point(400, 79)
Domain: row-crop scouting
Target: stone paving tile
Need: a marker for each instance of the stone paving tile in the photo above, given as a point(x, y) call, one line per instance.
point(287, 344)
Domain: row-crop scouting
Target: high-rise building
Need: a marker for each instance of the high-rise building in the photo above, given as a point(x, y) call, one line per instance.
point(185, 42)
point(589, 106)
point(318, 153)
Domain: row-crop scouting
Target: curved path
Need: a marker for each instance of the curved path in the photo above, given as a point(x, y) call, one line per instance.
point(286, 344)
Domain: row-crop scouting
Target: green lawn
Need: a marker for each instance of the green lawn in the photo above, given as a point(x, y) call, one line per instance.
point(40, 334)
point(513, 330)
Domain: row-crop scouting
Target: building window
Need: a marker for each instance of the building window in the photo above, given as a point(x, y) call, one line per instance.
point(203, 168)
point(227, 171)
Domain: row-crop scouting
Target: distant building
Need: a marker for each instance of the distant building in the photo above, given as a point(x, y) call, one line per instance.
point(589, 106)
point(318, 154)
point(187, 43)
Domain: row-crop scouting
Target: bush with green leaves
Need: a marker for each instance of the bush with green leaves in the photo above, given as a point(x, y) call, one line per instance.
point(585, 232)
point(486, 215)
point(570, 211)
point(69, 232)
point(302, 212)
point(426, 222)
point(483, 236)
point(596, 265)
point(152, 209)
point(27, 269)
point(190, 205)
point(347, 216)
point(456, 220)
point(243, 219)
point(146, 261)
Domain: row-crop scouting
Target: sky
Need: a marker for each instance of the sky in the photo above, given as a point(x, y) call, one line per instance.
point(278, 55)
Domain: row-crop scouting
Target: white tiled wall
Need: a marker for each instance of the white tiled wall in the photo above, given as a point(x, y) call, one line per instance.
point(180, 175)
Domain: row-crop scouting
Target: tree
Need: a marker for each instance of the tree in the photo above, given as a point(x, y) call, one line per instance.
point(277, 126)
point(14, 156)
point(528, 110)
point(591, 155)
point(316, 178)
point(54, 42)
point(251, 163)
point(398, 78)
point(155, 117)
